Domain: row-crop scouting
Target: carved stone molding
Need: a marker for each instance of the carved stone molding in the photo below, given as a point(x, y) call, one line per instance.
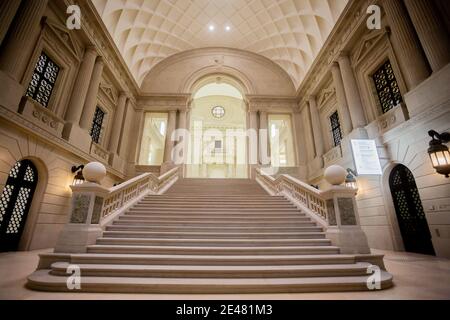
point(41, 116)
point(99, 152)
point(332, 156)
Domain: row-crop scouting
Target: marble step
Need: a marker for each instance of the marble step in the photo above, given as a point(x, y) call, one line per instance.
point(208, 210)
point(176, 271)
point(216, 223)
point(215, 260)
point(306, 232)
point(205, 250)
point(214, 242)
point(207, 218)
point(44, 281)
point(223, 214)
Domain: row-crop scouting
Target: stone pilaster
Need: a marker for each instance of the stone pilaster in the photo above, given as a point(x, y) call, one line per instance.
point(352, 92)
point(21, 39)
point(341, 99)
point(316, 126)
point(253, 143)
point(264, 145)
point(117, 124)
point(8, 9)
point(91, 97)
point(81, 86)
point(406, 44)
point(127, 126)
point(171, 126)
point(431, 31)
point(72, 131)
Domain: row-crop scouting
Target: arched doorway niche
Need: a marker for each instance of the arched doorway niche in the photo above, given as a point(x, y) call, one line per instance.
point(218, 124)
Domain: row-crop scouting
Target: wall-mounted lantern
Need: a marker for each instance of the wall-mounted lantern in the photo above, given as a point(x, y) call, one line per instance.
point(438, 152)
point(350, 180)
point(78, 179)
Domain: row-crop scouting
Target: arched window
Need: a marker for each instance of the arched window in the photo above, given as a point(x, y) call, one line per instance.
point(15, 203)
point(410, 214)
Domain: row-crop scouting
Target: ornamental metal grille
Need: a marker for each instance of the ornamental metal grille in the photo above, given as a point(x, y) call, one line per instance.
point(43, 80)
point(15, 203)
point(336, 129)
point(387, 87)
point(410, 214)
point(97, 125)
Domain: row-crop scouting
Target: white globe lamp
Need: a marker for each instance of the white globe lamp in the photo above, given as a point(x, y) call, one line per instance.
point(94, 172)
point(335, 175)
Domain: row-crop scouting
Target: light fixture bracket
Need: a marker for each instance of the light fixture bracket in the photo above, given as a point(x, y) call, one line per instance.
point(441, 137)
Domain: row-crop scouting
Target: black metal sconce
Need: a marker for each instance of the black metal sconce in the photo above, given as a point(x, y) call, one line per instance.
point(438, 152)
point(78, 179)
point(350, 180)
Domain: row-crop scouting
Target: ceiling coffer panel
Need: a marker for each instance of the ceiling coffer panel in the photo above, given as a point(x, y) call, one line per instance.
point(289, 32)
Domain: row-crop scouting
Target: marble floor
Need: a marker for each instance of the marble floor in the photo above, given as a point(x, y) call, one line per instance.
point(415, 277)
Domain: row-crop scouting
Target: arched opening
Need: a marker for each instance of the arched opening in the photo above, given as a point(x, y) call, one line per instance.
point(409, 210)
point(15, 203)
point(218, 123)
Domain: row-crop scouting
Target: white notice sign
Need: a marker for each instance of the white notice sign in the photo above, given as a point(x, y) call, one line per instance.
point(366, 157)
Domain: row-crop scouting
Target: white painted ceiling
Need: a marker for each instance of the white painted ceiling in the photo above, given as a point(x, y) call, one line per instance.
point(289, 32)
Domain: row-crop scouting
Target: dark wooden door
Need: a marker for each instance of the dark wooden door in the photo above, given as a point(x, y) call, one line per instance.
point(410, 214)
point(15, 203)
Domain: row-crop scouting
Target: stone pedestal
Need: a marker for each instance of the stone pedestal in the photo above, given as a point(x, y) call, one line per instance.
point(344, 229)
point(77, 136)
point(83, 228)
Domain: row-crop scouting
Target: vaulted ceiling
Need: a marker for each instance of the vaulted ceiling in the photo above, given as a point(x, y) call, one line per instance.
point(289, 32)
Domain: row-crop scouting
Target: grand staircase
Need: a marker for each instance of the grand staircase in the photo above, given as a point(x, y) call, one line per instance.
point(211, 236)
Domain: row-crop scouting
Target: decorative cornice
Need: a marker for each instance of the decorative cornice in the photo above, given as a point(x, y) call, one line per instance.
point(97, 33)
point(351, 19)
point(30, 128)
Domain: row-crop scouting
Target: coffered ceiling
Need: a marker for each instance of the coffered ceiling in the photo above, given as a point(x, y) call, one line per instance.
point(289, 32)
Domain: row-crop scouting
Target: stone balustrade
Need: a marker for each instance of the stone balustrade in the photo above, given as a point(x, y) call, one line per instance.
point(94, 206)
point(334, 209)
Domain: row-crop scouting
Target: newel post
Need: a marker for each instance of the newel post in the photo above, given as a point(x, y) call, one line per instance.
point(344, 228)
point(83, 227)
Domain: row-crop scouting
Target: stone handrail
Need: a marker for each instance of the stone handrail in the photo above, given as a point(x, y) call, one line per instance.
point(121, 195)
point(94, 207)
point(299, 192)
point(335, 209)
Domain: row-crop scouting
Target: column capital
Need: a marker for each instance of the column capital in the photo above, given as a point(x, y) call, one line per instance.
point(100, 60)
point(311, 97)
point(90, 51)
point(334, 65)
point(343, 55)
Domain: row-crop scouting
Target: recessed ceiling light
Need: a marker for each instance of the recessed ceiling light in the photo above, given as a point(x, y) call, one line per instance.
point(227, 28)
point(211, 27)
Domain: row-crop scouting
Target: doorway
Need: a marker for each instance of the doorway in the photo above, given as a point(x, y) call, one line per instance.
point(409, 210)
point(15, 203)
point(218, 143)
